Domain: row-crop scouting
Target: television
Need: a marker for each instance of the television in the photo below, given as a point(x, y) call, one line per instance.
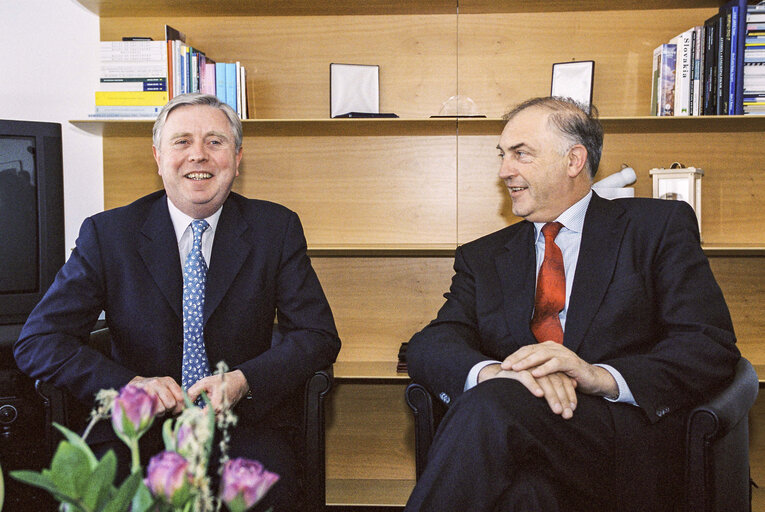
point(31, 217)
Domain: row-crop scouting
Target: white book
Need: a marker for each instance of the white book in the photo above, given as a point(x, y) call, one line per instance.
point(133, 59)
point(683, 78)
point(243, 91)
point(698, 71)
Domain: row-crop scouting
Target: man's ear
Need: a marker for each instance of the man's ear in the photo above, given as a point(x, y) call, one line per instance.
point(155, 152)
point(577, 160)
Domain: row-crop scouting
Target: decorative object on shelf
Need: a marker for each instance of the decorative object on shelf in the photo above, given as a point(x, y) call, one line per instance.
point(615, 185)
point(354, 90)
point(458, 106)
point(175, 480)
point(679, 183)
point(574, 80)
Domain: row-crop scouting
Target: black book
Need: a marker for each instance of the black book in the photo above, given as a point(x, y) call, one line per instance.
point(723, 57)
point(710, 66)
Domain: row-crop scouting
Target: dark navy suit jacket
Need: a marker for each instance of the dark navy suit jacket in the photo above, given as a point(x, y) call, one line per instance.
point(126, 263)
point(644, 301)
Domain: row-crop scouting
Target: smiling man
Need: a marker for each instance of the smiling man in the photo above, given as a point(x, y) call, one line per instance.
point(189, 276)
point(572, 344)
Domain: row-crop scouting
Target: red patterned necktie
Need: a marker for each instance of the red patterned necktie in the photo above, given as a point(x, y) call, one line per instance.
point(551, 289)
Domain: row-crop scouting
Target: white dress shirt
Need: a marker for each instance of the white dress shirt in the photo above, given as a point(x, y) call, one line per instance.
point(184, 235)
point(569, 240)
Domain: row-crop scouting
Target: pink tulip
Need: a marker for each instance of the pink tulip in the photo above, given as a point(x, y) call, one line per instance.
point(133, 411)
point(166, 478)
point(244, 483)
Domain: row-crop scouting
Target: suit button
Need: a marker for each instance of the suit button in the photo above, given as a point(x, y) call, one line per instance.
point(445, 398)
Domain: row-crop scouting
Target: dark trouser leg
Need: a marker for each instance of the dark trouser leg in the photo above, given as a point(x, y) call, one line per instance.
point(498, 430)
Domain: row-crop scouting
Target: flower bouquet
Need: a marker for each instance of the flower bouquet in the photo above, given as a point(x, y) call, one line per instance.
point(175, 480)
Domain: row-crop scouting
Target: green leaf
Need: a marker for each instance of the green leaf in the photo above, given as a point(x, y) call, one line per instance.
point(70, 470)
point(121, 500)
point(99, 485)
point(77, 441)
point(143, 501)
point(43, 482)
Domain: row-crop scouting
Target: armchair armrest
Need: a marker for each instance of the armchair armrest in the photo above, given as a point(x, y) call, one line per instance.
point(317, 390)
point(717, 446)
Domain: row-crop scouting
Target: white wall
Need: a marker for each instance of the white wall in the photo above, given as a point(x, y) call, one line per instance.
point(49, 72)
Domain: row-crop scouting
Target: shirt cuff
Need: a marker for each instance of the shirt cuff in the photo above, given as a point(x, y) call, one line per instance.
point(625, 395)
point(472, 378)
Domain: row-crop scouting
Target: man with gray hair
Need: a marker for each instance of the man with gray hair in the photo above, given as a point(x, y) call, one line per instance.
point(189, 276)
point(572, 344)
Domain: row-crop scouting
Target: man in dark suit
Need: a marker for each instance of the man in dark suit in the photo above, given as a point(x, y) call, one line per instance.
point(570, 391)
point(128, 262)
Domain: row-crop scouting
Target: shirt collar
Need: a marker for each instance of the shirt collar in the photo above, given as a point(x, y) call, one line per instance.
point(572, 218)
point(181, 221)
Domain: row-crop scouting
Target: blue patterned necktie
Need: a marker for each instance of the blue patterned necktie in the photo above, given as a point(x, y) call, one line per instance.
point(195, 364)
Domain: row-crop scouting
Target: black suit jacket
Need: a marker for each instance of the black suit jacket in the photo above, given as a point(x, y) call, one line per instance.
point(643, 300)
point(126, 263)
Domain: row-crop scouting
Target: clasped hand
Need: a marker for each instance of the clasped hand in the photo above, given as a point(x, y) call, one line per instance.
point(553, 372)
point(170, 394)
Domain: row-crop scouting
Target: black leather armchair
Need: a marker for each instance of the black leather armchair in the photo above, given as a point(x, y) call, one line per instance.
point(61, 408)
point(717, 443)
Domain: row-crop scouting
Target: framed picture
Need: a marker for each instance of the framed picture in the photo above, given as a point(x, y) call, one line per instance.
point(354, 88)
point(574, 80)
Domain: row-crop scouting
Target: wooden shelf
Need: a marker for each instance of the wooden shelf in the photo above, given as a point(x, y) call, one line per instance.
point(431, 126)
point(368, 492)
point(368, 370)
point(118, 8)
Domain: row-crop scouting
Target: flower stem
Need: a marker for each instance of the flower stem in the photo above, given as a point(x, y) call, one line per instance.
point(135, 453)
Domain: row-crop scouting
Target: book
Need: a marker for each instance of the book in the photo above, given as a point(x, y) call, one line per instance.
point(231, 84)
point(133, 84)
point(243, 91)
point(723, 63)
point(697, 71)
point(220, 81)
point(710, 65)
point(142, 98)
point(133, 59)
point(683, 69)
point(663, 89)
point(738, 18)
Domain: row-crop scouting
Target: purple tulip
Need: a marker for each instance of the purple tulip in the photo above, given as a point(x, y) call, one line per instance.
point(133, 411)
point(166, 478)
point(244, 483)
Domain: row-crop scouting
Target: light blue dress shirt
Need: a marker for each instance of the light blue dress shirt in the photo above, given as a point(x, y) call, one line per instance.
point(569, 240)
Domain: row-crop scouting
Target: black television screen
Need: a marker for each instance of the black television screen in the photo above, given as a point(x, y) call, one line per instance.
point(31, 214)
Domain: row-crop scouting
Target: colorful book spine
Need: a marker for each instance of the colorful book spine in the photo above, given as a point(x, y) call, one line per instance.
point(231, 84)
point(151, 98)
point(665, 59)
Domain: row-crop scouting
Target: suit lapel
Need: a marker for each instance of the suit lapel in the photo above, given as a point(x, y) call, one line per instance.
point(604, 227)
point(516, 268)
point(230, 250)
point(159, 252)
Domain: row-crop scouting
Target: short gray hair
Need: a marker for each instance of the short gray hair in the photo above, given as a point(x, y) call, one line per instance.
point(195, 98)
point(573, 122)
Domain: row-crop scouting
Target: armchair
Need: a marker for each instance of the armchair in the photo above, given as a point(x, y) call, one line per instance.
point(61, 408)
point(716, 450)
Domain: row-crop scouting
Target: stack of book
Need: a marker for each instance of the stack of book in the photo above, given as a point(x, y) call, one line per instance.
point(138, 77)
point(702, 70)
point(134, 79)
point(754, 61)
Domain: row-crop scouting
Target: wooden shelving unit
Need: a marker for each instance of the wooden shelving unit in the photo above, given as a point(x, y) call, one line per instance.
point(385, 202)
